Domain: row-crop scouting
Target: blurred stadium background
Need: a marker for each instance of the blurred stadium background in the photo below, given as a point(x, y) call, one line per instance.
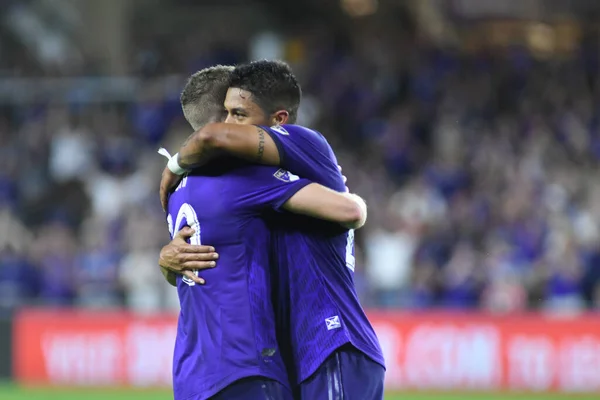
point(472, 128)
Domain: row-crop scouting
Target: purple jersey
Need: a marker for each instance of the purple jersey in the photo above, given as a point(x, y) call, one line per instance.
point(317, 305)
point(226, 328)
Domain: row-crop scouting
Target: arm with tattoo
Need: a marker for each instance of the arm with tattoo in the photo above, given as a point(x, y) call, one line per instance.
point(247, 142)
point(261, 145)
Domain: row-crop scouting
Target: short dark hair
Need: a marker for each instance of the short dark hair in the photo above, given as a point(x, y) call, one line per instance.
point(203, 95)
point(272, 84)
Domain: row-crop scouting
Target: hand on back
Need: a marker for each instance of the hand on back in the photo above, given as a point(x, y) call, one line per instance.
point(179, 257)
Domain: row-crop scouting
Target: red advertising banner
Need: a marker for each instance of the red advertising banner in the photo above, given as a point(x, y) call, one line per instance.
point(429, 351)
point(477, 352)
point(93, 348)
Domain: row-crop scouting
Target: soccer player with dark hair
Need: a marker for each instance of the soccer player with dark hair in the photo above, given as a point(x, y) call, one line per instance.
point(226, 346)
point(334, 351)
point(273, 86)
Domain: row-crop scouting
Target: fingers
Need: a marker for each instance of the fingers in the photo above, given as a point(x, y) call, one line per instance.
point(193, 248)
point(168, 182)
point(185, 233)
point(191, 275)
point(197, 265)
point(340, 168)
point(163, 199)
point(164, 191)
point(179, 255)
point(201, 257)
point(197, 260)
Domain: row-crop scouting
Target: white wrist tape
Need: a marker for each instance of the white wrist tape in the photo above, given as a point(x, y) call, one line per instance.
point(173, 164)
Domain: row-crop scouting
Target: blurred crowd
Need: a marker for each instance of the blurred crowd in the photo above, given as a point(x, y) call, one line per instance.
point(479, 170)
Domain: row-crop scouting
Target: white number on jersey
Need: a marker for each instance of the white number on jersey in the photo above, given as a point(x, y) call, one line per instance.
point(280, 129)
point(186, 211)
point(350, 261)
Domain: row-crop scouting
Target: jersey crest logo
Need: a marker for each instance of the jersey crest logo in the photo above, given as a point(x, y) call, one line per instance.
point(280, 129)
point(182, 184)
point(285, 176)
point(333, 323)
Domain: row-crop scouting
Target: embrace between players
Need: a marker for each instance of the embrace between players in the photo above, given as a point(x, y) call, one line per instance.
point(278, 318)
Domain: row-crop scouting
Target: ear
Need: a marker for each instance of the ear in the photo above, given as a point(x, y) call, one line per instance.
point(280, 117)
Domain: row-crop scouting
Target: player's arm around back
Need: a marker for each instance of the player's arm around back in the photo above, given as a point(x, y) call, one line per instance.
point(247, 142)
point(317, 201)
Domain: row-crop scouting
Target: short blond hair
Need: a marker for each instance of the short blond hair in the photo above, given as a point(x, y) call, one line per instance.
point(203, 95)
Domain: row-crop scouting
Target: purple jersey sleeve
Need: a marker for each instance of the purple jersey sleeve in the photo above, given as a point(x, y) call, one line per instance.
point(266, 187)
point(306, 153)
